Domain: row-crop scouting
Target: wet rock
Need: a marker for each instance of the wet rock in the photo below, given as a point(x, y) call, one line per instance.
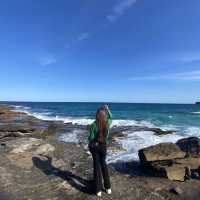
point(159, 132)
point(116, 148)
point(190, 145)
point(118, 135)
point(162, 151)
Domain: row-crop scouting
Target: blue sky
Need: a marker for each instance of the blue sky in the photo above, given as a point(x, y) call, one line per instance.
point(91, 50)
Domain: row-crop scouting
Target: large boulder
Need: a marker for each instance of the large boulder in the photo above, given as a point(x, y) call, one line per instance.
point(159, 160)
point(165, 169)
point(169, 160)
point(191, 146)
point(159, 152)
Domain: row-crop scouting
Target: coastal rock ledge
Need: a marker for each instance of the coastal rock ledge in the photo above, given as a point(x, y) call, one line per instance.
point(176, 162)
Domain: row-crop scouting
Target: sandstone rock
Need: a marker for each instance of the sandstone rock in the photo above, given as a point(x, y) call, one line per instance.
point(23, 144)
point(22, 160)
point(167, 169)
point(16, 128)
point(193, 163)
point(45, 149)
point(190, 145)
point(175, 173)
point(163, 151)
point(168, 160)
point(58, 163)
point(6, 113)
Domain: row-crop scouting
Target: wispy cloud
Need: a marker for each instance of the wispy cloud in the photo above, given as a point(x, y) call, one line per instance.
point(119, 9)
point(47, 60)
point(83, 36)
point(184, 76)
point(116, 11)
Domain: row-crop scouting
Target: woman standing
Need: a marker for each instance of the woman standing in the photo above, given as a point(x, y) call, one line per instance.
point(99, 132)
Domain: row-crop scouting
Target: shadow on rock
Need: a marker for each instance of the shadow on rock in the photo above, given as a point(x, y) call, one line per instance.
point(75, 181)
point(131, 168)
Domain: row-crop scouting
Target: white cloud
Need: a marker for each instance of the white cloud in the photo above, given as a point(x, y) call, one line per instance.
point(187, 76)
point(47, 60)
point(119, 9)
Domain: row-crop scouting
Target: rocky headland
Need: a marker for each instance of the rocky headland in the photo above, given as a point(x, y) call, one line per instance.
point(35, 165)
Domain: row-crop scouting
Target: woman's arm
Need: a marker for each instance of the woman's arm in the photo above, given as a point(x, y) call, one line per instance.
point(109, 115)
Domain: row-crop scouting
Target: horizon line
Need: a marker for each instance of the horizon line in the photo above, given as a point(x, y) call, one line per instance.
point(111, 102)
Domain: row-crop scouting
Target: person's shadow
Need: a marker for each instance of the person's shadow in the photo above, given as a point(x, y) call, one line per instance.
point(75, 181)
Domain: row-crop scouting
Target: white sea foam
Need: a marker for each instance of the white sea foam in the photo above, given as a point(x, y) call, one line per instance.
point(123, 122)
point(21, 108)
point(71, 137)
point(138, 140)
point(169, 127)
point(80, 121)
point(198, 112)
point(191, 132)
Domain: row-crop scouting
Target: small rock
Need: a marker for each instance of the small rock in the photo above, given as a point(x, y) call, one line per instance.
point(45, 149)
point(74, 165)
point(177, 190)
point(64, 185)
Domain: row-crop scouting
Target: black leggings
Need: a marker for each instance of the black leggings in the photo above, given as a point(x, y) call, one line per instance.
point(100, 167)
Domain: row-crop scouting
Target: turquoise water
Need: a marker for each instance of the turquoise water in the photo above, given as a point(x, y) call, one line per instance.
point(183, 118)
point(157, 114)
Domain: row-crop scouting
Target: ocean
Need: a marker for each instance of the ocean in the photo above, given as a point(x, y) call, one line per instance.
point(182, 118)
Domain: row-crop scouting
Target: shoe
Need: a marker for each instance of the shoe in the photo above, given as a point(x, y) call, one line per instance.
point(98, 194)
point(109, 191)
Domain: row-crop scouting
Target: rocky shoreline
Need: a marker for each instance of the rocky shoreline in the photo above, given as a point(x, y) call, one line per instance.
point(34, 164)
